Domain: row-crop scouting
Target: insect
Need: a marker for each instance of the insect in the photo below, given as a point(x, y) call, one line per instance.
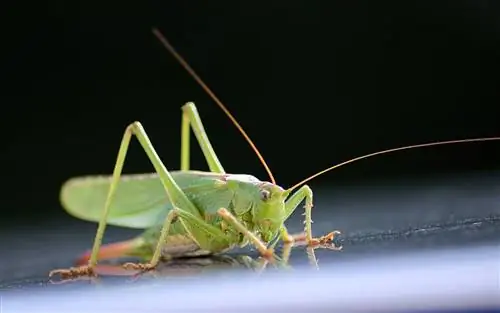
point(188, 212)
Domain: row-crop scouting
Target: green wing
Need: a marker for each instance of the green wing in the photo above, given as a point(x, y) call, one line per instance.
point(140, 200)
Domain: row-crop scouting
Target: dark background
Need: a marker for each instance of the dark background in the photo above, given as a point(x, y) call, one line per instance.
point(313, 83)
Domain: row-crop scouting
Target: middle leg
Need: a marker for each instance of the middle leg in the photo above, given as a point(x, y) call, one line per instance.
point(196, 228)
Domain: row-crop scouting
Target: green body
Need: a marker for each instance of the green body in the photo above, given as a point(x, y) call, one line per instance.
point(185, 212)
point(141, 202)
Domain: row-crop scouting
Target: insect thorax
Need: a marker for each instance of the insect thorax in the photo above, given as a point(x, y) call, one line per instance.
point(260, 206)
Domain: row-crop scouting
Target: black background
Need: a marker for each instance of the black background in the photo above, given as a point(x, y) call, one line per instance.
point(313, 83)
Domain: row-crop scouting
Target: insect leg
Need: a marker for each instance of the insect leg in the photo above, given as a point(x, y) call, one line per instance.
point(199, 230)
point(228, 217)
point(175, 194)
point(171, 216)
point(191, 117)
point(285, 235)
point(293, 202)
point(185, 143)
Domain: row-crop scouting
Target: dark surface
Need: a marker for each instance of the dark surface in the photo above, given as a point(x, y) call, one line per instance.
point(430, 282)
point(382, 222)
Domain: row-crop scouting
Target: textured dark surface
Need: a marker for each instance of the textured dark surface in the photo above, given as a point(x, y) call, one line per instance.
point(382, 221)
point(410, 283)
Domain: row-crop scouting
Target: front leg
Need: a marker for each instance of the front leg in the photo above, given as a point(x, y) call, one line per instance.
point(293, 202)
point(286, 237)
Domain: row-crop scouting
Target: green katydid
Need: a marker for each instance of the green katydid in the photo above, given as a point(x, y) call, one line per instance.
point(187, 212)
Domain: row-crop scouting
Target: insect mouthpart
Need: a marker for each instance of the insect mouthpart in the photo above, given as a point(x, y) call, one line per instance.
point(268, 229)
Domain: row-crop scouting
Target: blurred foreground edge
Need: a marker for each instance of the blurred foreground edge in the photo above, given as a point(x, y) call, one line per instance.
point(457, 280)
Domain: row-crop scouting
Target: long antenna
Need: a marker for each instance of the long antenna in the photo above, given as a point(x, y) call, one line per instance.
point(389, 151)
point(188, 68)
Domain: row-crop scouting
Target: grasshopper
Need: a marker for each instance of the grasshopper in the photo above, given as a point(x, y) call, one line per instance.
point(188, 212)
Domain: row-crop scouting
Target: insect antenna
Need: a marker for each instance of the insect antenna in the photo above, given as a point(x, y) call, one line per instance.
point(191, 72)
point(366, 156)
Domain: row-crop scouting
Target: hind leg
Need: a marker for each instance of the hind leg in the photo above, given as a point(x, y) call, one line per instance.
point(175, 195)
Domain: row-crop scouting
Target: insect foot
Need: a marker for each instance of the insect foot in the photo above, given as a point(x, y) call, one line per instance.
point(139, 266)
point(73, 272)
point(325, 241)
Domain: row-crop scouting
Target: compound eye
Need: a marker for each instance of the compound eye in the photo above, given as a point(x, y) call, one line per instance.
point(264, 195)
